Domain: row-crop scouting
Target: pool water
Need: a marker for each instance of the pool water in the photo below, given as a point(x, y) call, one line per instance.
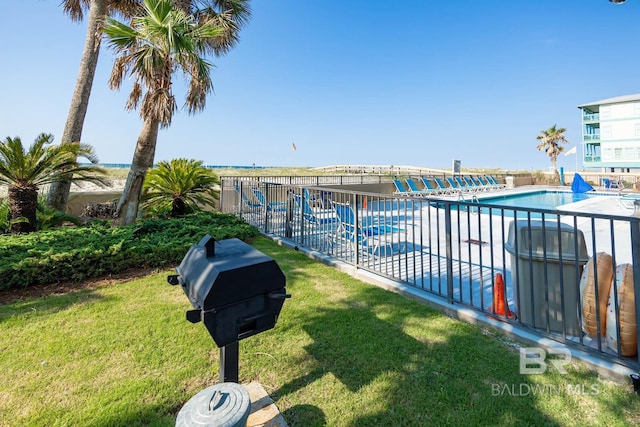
point(550, 200)
point(538, 199)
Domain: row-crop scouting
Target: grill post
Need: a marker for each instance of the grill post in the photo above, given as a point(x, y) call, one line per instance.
point(229, 360)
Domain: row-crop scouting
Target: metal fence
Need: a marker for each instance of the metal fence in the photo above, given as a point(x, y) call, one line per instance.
point(463, 251)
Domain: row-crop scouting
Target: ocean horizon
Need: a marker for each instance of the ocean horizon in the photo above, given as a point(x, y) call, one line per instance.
point(128, 165)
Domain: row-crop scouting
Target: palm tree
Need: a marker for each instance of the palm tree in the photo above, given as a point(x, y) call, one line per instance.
point(179, 187)
point(156, 45)
point(98, 9)
point(231, 15)
point(25, 171)
point(550, 140)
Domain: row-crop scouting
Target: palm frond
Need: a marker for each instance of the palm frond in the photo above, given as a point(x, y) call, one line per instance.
point(44, 163)
point(160, 42)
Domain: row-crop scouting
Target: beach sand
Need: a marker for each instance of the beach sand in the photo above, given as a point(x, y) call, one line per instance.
point(85, 187)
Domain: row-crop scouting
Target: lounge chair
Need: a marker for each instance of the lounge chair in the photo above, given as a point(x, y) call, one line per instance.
point(456, 186)
point(474, 186)
point(478, 183)
point(315, 226)
point(432, 189)
point(250, 205)
point(463, 185)
point(419, 191)
point(485, 182)
point(319, 217)
point(609, 183)
point(317, 198)
point(443, 187)
point(375, 237)
point(400, 189)
point(270, 206)
point(495, 182)
point(628, 201)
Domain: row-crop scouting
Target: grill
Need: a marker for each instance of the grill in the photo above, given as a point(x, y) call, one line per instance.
point(235, 290)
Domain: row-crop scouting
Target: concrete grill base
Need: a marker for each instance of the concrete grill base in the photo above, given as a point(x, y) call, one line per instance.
point(263, 411)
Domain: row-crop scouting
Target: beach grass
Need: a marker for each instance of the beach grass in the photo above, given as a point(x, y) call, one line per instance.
point(121, 173)
point(343, 353)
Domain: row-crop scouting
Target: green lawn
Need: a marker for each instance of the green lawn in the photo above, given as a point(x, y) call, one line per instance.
point(344, 353)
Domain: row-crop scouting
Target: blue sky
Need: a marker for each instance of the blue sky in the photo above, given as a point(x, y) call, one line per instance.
point(349, 82)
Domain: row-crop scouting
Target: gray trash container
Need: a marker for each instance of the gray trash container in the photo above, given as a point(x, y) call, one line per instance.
point(510, 181)
point(530, 244)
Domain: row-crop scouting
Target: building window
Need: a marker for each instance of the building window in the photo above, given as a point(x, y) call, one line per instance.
point(605, 111)
point(628, 153)
point(607, 153)
point(617, 154)
point(606, 132)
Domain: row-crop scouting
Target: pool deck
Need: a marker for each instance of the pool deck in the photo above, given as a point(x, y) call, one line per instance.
point(599, 205)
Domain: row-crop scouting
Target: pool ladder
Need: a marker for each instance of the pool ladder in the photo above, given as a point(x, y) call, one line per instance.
point(474, 200)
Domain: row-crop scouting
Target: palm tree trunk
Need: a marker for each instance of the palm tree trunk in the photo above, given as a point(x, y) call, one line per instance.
point(59, 190)
point(184, 5)
point(556, 174)
point(127, 210)
point(23, 203)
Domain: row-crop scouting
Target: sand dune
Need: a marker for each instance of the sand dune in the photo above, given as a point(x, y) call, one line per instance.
point(85, 187)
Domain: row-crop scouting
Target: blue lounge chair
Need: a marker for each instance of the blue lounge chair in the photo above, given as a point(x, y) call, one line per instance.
point(485, 182)
point(321, 217)
point(419, 191)
point(399, 187)
point(249, 204)
point(467, 183)
point(457, 187)
point(374, 237)
point(431, 188)
point(317, 198)
point(481, 186)
point(495, 182)
point(609, 183)
point(471, 181)
point(314, 225)
point(443, 187)
point(464, 186)
point(270, 206)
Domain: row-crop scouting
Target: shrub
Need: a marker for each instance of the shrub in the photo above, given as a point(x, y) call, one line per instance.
point(98, 211)
point(78, 253)
point(179, 187)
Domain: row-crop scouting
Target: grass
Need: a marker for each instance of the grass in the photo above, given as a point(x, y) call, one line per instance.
point(344, 353)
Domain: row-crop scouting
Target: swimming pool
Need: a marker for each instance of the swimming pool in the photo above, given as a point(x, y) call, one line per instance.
point(543, 199)
point(537, 199)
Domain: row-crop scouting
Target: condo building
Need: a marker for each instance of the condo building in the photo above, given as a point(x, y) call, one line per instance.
point(611, 133)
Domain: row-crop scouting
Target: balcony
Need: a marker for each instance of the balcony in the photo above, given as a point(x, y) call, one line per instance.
point(591, 137)
point(595, 117)
point(591, 159)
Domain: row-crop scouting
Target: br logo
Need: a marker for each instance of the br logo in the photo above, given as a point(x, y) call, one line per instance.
point(534, 360)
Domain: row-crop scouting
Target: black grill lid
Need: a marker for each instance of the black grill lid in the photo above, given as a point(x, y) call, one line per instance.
point(214, 274)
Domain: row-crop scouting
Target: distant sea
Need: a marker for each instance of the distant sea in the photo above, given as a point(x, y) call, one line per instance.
point(128, 165)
